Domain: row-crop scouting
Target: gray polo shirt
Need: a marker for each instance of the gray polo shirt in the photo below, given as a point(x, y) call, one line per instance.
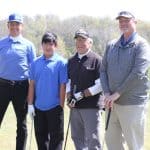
point(124, 70)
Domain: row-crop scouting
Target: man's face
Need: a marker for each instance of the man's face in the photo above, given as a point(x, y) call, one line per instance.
point(82, 45)
point(127, 25)
point(15, 28)
point(48, 49)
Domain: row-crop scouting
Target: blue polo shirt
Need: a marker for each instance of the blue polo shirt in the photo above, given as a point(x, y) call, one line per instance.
point(48, 74)
point(131, 38)
point(15, 58)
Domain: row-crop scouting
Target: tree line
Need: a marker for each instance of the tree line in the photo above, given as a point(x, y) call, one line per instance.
point(101, 30)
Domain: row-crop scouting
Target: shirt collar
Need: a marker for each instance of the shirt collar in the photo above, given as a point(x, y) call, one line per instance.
point(52, 58)
point(80, 56)
point(130, 39)
point(16, 39)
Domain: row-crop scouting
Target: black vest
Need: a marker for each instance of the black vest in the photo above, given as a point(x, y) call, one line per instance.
point(83, 73)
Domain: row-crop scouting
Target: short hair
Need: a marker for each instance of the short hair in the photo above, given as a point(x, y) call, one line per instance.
point(49, 37)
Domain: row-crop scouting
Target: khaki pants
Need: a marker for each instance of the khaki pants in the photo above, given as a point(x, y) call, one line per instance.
point(85, 128)
point(126, 124)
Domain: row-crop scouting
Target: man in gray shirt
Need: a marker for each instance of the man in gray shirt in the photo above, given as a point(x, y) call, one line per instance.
point(125, 84)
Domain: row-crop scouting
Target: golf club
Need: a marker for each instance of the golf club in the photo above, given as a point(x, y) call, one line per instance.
point(32, 124)
point(67, 131)
point(106, 126)
point(74, 90)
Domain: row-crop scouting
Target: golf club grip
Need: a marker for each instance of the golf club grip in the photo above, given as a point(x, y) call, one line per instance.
point(108, 118)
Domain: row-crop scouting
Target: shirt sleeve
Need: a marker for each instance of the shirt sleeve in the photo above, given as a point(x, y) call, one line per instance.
point(96, 88)
point(31, 53)
point(31, 71)
point(68, 86)
point(63, 77)
point(103, 72)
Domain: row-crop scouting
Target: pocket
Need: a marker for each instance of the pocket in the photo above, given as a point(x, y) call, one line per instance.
point(90, 72)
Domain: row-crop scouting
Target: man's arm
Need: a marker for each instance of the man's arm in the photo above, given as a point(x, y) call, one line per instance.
point(62, 94)
point(31, 92)
point(103, 72)
point(30, 99)
point(96, 88)
point(93, 90)
point(63, 78)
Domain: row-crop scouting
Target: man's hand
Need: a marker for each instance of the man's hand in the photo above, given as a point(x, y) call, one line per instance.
point(102, 102)
point(31, 111)
point(78, 96)
point(109, 99)
point(62, 105)
point(70, 101)
point(87, 93)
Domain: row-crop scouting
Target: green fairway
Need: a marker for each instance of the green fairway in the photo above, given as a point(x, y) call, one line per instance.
point(8, 129)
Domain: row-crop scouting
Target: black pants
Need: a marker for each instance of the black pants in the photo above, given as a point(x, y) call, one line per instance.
point(17, 93)
point(49, 128)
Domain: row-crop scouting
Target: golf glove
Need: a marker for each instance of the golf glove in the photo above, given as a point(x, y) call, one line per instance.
point(78, 96)
point(31, 111)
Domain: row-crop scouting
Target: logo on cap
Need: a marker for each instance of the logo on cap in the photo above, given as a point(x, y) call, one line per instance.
point(15, 18)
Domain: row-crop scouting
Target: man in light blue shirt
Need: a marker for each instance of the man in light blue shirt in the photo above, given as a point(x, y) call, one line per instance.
point(48, 77)
point(16, 54)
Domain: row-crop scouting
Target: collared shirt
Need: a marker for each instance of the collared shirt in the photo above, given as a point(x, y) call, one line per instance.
point(81, 55)
point(127, 41)
point(15, 58)
point(48, 74)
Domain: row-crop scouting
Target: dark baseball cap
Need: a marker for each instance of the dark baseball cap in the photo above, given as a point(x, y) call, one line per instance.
point(49, 37)
point(125, 14)
point(81, 33)
point(16, 18)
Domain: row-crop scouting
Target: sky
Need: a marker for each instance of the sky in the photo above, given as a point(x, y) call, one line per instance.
point(70, 8)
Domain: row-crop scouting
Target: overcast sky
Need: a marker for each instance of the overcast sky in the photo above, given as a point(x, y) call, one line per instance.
point(69, 8)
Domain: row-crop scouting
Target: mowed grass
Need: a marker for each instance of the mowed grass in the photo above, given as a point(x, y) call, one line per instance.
point(8, 132)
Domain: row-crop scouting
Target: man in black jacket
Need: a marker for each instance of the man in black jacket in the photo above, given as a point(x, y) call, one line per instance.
point(83, 90)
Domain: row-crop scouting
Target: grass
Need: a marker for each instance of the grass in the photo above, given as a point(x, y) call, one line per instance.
point(8, 131)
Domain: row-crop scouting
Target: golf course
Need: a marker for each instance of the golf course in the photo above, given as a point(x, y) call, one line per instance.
point(8, 131)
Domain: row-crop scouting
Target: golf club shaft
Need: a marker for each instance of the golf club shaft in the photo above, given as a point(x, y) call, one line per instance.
point(67, 131)
point(106, 127)
point(32, 123)
point(108, 118)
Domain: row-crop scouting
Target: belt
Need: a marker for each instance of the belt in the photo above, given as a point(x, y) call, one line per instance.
point(12, 82)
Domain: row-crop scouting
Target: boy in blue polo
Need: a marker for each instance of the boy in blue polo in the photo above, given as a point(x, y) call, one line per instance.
point(48, 77)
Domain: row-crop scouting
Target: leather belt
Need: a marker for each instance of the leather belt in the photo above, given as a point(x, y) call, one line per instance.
point(12, 82)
